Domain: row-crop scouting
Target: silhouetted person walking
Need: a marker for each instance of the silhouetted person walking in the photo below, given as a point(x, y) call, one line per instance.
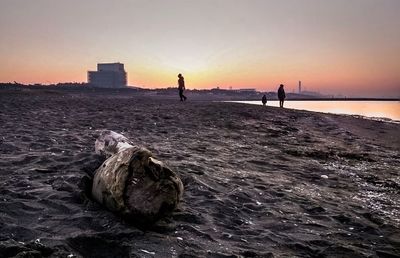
point(281, 95)
point(264, 100)
point(181, 87)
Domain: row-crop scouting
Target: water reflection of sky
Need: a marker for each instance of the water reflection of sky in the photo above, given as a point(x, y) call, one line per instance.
point(384, 109)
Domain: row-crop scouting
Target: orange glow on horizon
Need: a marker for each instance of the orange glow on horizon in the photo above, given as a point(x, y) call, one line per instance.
point(258, 78)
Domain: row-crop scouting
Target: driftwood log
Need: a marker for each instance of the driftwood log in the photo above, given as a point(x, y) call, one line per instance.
point(132, 182)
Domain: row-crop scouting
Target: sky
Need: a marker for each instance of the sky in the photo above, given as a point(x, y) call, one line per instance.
point(349, 47)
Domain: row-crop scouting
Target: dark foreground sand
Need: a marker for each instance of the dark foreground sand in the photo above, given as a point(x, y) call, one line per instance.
point(259, 182)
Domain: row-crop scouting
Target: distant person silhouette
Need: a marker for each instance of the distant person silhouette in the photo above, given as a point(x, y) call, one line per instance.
point(281, 95)
point(264, 100)
point(181, 87)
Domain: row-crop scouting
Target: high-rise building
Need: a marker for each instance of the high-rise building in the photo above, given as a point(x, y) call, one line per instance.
point(108, 75)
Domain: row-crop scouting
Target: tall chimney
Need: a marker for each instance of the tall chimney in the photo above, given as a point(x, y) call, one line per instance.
point(299, 86)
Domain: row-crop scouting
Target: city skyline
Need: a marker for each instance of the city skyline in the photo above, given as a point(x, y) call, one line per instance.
point(336, 47)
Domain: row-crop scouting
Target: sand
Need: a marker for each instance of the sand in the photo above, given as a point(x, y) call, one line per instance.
point(259, 181)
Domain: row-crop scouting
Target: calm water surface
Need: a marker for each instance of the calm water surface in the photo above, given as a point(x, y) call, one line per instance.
point(373, 109)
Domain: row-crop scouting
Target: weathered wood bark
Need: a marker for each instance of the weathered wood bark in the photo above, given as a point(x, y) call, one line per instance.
point(132, 182)
point(109, 143)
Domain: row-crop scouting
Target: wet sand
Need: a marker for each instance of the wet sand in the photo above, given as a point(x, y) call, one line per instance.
point(259, 181)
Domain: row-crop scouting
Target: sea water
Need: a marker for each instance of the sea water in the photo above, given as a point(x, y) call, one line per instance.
point(371, 109)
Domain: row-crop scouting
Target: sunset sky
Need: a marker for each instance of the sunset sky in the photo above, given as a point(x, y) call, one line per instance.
point(341, 46)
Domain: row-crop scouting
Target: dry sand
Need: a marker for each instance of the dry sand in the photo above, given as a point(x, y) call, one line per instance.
point(259, 181)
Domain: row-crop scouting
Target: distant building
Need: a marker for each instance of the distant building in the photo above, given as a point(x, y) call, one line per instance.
point(247, 90)
point(312, 93)
point(108, 75)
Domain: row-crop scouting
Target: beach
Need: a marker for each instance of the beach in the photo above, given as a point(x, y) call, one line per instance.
point(259, 181)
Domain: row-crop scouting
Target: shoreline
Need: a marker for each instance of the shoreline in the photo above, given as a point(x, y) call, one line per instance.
point(193, 92)
point(375, 118)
